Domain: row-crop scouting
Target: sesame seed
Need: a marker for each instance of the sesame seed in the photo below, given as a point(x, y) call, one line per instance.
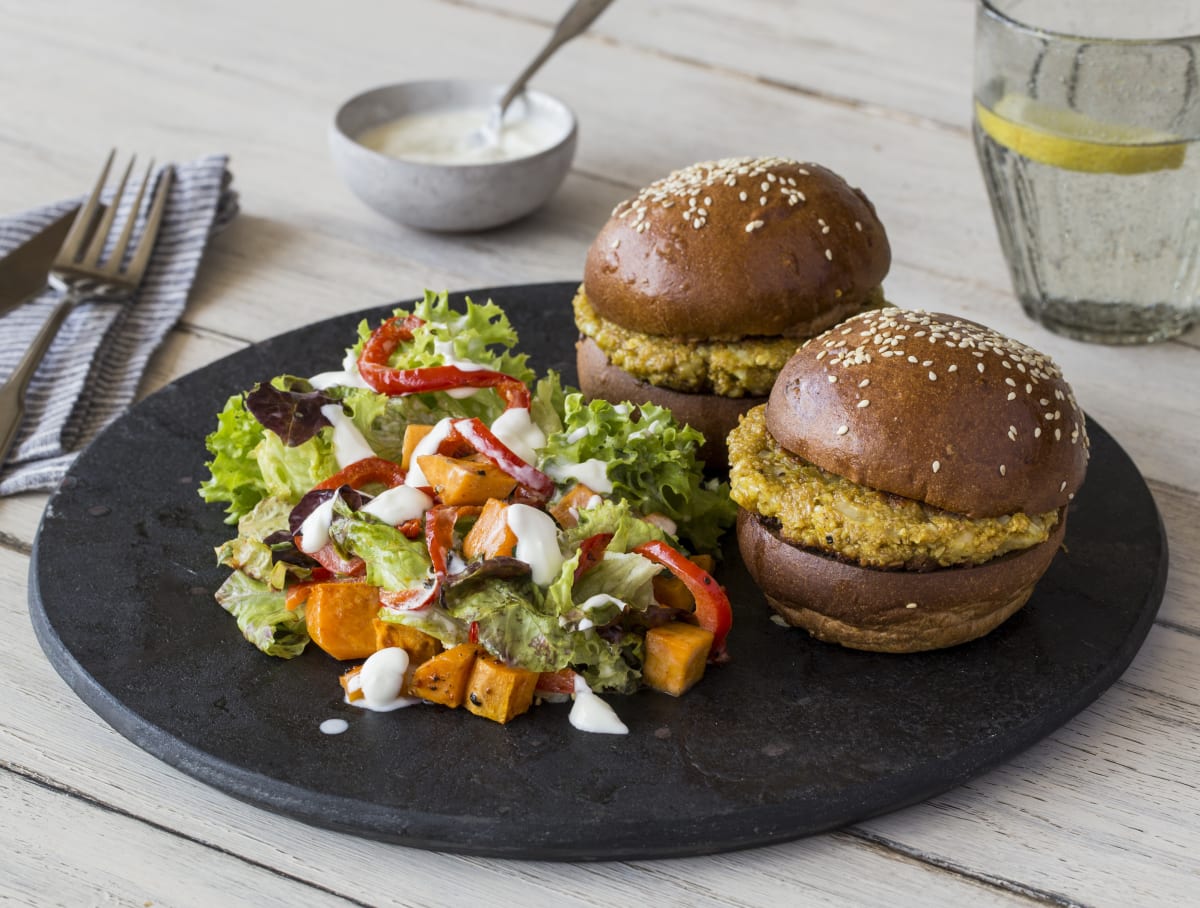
point(616, 242)
point(743, 196)
point(1010, 382)
point(937, 465)
point(863, 403)
point(952, 368)
point(1037, 433)
point(933, 376)
point(708, 200)
point(762, 200)
point(1070, 496)
point(1058, 434)
point(910, 605)
point(979, 366)
point(764, 186)
point(1012, 395)
point(832, 379)
point(753, 225)
point(858, 226)
point(842, 430)
point(927, 363)
point(1002, 470)
point(829, 254)
point(825, 229)
point(1063, 487)
point(864, 382)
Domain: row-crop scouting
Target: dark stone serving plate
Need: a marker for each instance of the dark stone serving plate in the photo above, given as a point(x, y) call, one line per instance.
point(792, 737)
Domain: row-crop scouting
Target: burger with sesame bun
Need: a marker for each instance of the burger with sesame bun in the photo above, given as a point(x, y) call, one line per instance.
point(697, 291)
point(906, 484)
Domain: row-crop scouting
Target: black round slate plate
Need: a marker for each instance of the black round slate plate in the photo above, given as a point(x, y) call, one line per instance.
point(790, 738)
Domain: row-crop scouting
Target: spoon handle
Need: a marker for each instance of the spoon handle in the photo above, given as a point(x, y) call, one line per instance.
point(581, 14)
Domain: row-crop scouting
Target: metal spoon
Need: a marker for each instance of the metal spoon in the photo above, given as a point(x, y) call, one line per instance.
point(575, 21)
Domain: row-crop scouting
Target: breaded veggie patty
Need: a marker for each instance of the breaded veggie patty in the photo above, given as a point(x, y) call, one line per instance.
point(822, 511)
point(739, 368)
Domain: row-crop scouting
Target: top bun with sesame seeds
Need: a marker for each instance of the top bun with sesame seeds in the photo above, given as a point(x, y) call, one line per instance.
point(971, 421)
point(698, 289)
point(907, 482)
point(737, 247)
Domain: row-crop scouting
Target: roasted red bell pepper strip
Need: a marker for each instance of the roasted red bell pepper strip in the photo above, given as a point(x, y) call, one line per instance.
point(559, 682)
point(365, 472)
point(410, 600)
point(473, 632)
point(411, 528)
point(375, 371)
point(439, 532)
point(713, 612)
point(591, 552)
point(538, 487)
point(327, 556)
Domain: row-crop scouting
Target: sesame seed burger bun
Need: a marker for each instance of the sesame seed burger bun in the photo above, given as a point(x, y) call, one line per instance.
point(711, 265)
point(951, 413)
point(889, 611)
point(710, 414)
point(904, 410)
point(728, 278)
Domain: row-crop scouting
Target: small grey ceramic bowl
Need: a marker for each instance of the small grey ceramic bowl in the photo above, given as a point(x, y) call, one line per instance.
point(447, 197)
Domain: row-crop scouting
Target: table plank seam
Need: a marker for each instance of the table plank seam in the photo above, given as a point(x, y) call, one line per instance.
point(1003, 884)
point(843, 101)
point(32, 777)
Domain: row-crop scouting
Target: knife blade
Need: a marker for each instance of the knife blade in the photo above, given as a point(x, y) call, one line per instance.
point(23, 272)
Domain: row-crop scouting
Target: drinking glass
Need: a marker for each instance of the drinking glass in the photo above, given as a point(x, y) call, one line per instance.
point(1087, 129)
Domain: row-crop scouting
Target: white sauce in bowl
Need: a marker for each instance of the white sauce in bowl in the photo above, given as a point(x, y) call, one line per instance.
point(444, 137)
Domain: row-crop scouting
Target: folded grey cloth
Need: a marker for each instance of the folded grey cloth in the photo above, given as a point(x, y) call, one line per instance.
point(91, 373)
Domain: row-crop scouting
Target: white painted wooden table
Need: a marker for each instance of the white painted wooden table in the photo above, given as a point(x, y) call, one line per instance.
point(1102, 812)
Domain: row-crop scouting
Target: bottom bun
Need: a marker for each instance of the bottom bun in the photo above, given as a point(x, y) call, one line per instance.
point(711, 414)
point(866, 608)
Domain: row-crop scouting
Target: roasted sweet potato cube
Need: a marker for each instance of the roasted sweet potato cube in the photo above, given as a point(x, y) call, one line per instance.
point(443, 679)
point(420, 646)
point(491, 536)
point(350, 684)
point(463, 482)
point(340, 618)
point(566, 509)
point(676, 654)
point(498, 691)
point(414, 433)
point(670, 590)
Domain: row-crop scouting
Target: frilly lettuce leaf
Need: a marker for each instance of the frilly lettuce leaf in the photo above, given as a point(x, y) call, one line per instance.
point(651, 463)
point(288, 473)
point(235, 477)
point(263, 617)
point(394, 562)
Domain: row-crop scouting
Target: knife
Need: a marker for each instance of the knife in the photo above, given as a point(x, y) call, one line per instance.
point(23, 272)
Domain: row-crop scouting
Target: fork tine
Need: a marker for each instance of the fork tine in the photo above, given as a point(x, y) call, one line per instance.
point(81, 229)
point(118, 253)
point(141, 257)
point(91, 258)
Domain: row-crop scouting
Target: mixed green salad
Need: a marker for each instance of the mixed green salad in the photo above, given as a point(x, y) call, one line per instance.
point(435, 496)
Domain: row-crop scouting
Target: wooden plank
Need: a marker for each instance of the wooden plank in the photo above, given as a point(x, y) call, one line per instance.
point(1102, 810)
point(61, 848)
point(846, 53)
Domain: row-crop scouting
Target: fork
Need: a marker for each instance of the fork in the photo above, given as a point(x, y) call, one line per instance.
point(79, 275)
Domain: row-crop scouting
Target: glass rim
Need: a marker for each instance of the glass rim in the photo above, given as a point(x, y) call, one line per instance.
point(989, 8)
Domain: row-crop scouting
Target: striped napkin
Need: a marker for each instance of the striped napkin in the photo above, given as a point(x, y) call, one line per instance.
point(91, 373)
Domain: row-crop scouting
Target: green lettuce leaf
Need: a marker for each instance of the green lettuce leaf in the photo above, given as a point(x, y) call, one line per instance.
point(288, 473)
point(616, 517)
point(394, 561)
point(235, 477)
point(263, 617)
point(651, 463)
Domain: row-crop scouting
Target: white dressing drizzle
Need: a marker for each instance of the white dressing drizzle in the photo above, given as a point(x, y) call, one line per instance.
point(519, 433)
point(445, 349)
point(592, 473)
point(334, 726)
point(349, 445)
point(399, 504)
point(590, 713)
point(427, 445)
point(537, 541)
point(314, 531)
point(596, 601)
point(348, 377)
point(380, 681)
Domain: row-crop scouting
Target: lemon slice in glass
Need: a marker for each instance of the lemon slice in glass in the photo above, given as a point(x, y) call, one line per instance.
point(1072, 141)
